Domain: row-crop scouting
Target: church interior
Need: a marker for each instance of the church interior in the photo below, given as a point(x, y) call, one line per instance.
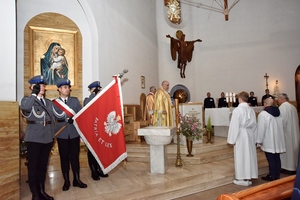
point(241, 46)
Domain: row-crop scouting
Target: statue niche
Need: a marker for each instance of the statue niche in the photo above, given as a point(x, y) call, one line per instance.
point(184, 49)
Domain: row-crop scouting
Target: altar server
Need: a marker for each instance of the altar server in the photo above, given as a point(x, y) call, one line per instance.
point(271, 138)
point(242, 134)
point(289, 160)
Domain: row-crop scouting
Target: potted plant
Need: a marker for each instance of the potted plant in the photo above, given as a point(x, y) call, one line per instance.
point(208, 130)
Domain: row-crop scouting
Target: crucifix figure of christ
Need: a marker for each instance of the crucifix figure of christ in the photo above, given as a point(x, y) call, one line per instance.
point(266, 77)
point(184, 49)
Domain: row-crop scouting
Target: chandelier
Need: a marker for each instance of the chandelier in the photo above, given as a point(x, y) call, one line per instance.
point(174, 9)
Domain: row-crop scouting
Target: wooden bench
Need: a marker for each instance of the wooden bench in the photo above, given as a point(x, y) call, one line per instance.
point(275, 190)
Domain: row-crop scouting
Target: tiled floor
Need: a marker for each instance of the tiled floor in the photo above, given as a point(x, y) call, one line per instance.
point(133, 180)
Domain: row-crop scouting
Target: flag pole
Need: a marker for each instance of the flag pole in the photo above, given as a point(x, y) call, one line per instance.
point(61, 129)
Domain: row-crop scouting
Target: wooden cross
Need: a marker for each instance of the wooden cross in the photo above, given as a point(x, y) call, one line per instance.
point(266, 77)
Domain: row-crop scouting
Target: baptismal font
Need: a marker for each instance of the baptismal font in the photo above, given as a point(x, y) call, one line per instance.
point(230, 98)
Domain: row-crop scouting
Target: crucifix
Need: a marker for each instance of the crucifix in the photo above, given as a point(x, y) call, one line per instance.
point(266, 77)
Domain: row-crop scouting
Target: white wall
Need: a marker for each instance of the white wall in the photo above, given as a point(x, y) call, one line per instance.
point(260, 37)
point(8, 51)
point(114, 38)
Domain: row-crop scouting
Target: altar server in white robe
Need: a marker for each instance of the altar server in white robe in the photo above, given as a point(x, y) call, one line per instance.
point(242, 134)
point(289, 160)
point(271, 138)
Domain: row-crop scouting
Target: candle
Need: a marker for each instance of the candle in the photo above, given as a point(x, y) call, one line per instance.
point(234, 100)
point(233, 95)
point(227, 99)
point(226, 94)
point(230, 99)
point(230, 94)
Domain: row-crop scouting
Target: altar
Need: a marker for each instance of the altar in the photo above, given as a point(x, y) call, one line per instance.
point(220, 118)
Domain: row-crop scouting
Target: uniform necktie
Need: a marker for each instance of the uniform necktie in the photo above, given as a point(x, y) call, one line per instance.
point(42, 101)
point(65, 101)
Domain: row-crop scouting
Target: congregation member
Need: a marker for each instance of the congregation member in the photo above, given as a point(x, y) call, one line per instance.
point(209, 102)
point(236, 103)
point(96, 171)
point(150, 105)
point(271, 138)
point(222, 101)
point(68, 140)
point(242, 134)
point(267, 95)
point(289, 160)
point(39, 135)
point(252, 99)
point(162, 115)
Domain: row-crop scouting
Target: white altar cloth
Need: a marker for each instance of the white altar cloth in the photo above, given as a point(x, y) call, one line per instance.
point(220, 118)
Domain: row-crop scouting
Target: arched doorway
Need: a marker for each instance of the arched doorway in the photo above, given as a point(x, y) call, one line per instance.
point(297, 87)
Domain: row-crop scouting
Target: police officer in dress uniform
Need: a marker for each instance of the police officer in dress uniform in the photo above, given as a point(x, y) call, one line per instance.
point(96, 170)
point(68, 139)
point(209, 102)
point(39, 136)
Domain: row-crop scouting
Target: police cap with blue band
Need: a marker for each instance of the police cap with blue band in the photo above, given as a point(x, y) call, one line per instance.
point(39, 79)
point(94, 84)
point(62, 82)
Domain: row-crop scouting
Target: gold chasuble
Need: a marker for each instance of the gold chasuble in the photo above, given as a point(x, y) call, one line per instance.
point(150, 107)
point(162, 115)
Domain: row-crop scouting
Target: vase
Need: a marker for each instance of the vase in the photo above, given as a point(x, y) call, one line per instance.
point(189, 145)
point(209, 135)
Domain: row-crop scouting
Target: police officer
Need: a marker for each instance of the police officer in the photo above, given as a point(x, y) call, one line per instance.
point(97, 172)
point(68, 139)
point(39, 135)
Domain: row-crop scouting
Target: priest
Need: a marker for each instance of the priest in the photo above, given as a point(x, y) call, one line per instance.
point(162, 115)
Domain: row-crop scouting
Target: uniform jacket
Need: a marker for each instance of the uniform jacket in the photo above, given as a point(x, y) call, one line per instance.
point(40, 126)
point(70, 131)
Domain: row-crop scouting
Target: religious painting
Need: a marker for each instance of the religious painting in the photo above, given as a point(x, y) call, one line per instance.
point(53, 55)
point(143, 84)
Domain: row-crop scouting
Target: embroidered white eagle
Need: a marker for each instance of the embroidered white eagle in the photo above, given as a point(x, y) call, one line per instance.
point(112, 126)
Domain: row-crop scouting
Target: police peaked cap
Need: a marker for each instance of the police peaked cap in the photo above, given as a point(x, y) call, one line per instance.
point(94, 84)
point(62, 82)
point(37, 80)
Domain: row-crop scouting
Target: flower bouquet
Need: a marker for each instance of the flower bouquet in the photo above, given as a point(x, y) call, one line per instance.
point(190, 127)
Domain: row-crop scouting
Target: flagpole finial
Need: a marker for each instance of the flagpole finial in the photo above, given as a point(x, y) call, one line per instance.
point(120, 75)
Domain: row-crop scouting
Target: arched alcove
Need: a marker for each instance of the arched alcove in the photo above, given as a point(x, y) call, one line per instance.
point(39, 34)
point(297, 87)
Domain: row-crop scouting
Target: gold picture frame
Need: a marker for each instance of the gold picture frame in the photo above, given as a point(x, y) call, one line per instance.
point(42, 43)
point(143, 82)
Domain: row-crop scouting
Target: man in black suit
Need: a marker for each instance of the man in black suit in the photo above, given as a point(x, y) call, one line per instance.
point(252, 100)
point(209, 102)
point(222, 101)
point(267, 95)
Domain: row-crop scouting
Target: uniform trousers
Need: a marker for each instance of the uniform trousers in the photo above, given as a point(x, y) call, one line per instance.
point(92, 160)
point(69, 153)
point(38, 156)
point(274, 164)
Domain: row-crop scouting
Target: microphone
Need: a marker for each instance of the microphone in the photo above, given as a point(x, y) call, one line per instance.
point(120, 75)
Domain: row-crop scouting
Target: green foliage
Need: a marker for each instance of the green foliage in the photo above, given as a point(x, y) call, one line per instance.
point(208, 125)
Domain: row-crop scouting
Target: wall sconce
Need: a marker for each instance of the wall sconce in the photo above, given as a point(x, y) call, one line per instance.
point(174, 11)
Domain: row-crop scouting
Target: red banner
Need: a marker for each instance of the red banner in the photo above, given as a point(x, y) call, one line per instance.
point(101, 126)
